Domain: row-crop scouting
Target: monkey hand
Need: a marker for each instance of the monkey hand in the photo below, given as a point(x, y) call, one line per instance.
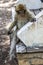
point(7, 32)
point(33, 20)
point(10, 32)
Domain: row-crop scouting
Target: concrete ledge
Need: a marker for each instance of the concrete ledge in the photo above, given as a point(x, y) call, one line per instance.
point(30, 59)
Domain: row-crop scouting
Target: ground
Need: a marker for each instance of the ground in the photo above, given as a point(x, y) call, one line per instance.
point(4, 39)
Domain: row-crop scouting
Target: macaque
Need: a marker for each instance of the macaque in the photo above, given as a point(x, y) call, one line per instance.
point(22, 16)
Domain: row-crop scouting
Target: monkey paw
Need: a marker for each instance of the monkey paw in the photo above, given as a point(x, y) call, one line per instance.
point(33, 20)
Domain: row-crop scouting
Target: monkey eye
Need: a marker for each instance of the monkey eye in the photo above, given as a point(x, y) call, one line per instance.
point(17, 11)
point(21, 11)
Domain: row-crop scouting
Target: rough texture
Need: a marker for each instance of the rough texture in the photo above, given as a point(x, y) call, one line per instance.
point(4, 39)
point(30, 59)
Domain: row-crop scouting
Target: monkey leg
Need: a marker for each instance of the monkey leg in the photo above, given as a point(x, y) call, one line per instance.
point(13, 54)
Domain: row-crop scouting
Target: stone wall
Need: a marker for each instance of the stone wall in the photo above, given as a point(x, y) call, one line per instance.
point(30, 59)
point(5, 18)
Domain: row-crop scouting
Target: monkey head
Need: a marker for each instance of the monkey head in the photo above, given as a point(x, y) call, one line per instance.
point(20, 9)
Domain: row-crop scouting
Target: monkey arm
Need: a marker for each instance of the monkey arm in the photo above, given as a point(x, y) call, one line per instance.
point(31, 16)
point(12, 25)
point(9, 27)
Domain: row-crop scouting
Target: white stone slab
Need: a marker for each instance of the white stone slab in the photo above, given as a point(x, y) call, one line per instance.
point(32, 33)
point(31, 4)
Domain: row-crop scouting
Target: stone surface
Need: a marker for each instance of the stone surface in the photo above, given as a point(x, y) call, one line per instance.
point(32, 33)
point(30, 59)
point(4, 20)
point(31, 4)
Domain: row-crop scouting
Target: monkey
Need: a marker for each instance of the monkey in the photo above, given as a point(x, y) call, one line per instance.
point(22, 16)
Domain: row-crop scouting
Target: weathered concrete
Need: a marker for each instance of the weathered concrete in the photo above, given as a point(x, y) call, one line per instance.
point(32, 33)
point(30, 59)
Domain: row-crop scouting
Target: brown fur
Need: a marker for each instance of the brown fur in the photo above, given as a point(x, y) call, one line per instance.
point(22, 16)
point(20, 7)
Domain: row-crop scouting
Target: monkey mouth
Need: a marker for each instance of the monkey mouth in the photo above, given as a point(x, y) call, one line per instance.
point(22, 15)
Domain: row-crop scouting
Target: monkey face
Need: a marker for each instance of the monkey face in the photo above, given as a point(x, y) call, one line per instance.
point(20, 9)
